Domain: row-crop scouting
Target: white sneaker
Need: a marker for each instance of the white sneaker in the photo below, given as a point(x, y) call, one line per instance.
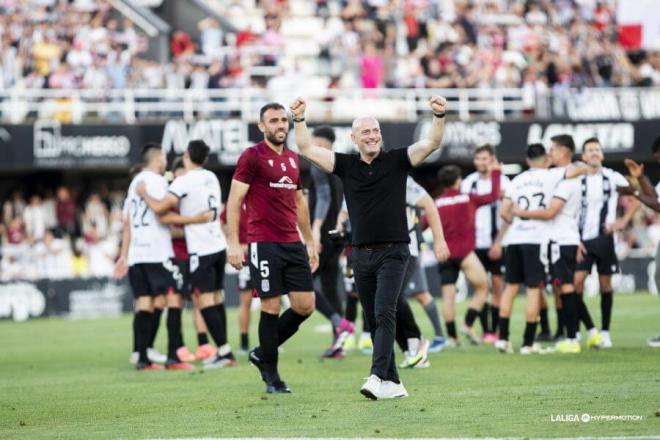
point(607, 341)
point(133, 358)
point(533, 349)
point(503, 346)
point(392, 390)
point(155, 356)
point(372, 388)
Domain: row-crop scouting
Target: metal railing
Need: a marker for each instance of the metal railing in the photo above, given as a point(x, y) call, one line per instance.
point(141, 105)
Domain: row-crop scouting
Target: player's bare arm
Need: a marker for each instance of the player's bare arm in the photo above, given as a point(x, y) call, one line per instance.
point(323, 158)
point(556, 204)
point(506, 211)
point(576, 169)
point(159, 206)
point(121, 266)
point(440, 248)
point(302, 211)
point(172, 218)
point(495, 250)
point(421, 149)
point(237, 193)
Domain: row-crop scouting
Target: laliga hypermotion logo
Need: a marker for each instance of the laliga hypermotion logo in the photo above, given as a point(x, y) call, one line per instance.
point(285, 183)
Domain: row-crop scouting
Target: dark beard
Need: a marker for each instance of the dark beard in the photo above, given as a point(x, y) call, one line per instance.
point(271, 137)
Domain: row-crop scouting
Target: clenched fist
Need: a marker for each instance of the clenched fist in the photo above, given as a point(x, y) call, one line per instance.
point(297, 108)
point(438, 104)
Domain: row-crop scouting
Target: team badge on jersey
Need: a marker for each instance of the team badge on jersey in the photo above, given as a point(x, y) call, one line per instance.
point(292, 162)
point(270, 162)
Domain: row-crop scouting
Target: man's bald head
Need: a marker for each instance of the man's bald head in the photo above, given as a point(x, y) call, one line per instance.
point(365, 133)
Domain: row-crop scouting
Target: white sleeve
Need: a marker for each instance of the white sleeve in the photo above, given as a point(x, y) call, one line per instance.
point(125, 209)
point(556, 175)
point(619, 180)
point(563, 190)
point(157, 188)
point(178, 187)
point(505, 183)
point(414, 192)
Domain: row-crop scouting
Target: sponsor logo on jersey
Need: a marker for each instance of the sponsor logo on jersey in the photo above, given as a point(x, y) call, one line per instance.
point(284, 183)
point(454, 200)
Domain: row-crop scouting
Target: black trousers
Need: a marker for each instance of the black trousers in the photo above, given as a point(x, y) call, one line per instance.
point(379, 275)
point(328, 272)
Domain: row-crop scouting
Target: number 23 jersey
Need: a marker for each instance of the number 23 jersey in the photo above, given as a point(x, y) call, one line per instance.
point(151, 241)
point(199, 190)
point(532, 190)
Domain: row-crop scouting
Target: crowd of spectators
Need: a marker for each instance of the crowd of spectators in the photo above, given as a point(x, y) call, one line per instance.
point(537, 44)
point(50, 235)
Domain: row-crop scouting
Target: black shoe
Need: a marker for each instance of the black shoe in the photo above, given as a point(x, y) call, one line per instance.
point(544, 337)
point(275, 385)
point(257, 362)
point(558, 337)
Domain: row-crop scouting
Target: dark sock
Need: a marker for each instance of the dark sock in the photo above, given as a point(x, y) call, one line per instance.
point(288, 325)
point(323, 306)
point(174, 336)
point(606, 300)
point(336, 320)
point(154, 326)
point(222, 311)
point(483, 318)
point(545, 325)
point(570, 301)
point(268, 340)
point(202, 339)
point(504, 329)
point(451, 329)
point(244, 341)
point(214, 324)
point(135, 332)
point(143, 323)
point(583, 313)
point(561, 323)
point(432, 312)
point(494, 318)
point(351, 308)
point(470, 316)
point(530, 332)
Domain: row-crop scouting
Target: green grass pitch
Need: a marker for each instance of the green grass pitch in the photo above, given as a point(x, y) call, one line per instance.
point(71, 379)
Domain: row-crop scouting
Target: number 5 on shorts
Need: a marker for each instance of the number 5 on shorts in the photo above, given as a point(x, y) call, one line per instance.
point(262, 266)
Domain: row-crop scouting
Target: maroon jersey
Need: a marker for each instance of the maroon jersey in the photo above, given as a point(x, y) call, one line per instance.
point(271, 200)
point(242, 223)
point(179, 244)
point(457, 212)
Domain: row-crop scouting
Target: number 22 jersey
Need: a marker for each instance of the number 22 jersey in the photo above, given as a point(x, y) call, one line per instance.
point(151, 241)
point(199, 190)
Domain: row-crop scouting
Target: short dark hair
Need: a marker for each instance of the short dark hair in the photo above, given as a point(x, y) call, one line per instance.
point(147, 149)
point(565, 140)
point(488, 148)
point(656, 145)
point(590, 140)
point(270, 106)
point(325, 132)
point(177, 163)
point(198, 151)
point(534, 151)
point(447, 176)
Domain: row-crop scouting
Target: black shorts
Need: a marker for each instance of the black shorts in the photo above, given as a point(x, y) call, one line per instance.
point(449, 271)
point(153, 279)
point(280, 268)
point(207, 273)
point(600, 251)
point(563, 260)
point(523, 265)
point(493, 267)
point(183, 280)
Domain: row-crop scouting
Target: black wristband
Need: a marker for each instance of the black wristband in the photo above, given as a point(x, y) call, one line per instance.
point(440, 115)
point(298, 120)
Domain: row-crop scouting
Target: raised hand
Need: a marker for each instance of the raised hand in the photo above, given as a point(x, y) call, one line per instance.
point(298, 107)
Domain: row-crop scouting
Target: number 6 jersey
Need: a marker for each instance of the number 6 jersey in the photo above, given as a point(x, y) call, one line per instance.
point(532, 190)
point(151, 241)
point(199, 190)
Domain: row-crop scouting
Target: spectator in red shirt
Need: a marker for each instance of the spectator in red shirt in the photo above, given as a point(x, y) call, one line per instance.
point(457, 211)
point(181, 45)
point(66, 211)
